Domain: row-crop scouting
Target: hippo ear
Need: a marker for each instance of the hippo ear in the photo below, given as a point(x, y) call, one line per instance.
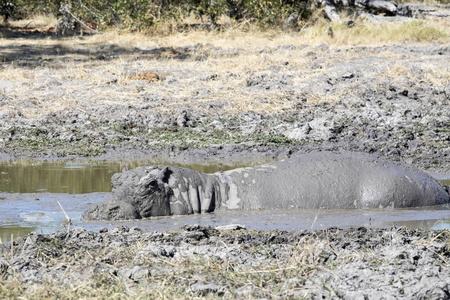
point(116, 180)
point(164, 174)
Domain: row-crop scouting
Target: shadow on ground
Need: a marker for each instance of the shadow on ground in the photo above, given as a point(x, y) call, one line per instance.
point(28, 51)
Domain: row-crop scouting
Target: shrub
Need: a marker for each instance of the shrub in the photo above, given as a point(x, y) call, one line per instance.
point(7, 8)
point(141, 14)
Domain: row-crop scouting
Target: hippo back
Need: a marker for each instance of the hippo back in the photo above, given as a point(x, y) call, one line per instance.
point(332, 181)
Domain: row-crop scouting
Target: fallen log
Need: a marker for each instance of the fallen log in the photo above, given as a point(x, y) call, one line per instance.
point(387, 7)
point(377, 6)
point(374, 19)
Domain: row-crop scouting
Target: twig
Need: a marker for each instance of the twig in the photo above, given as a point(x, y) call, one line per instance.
point(26, 26)
point(12, 246)
point(315, 220)
point(91, 11)
point(151, 8)
point(267, 271)
point(25, 244)
point(67, 217)
point(113, 17)
point(82, 23)
point(331, 290)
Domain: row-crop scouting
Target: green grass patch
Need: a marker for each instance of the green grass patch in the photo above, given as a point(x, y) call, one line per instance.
point(191, 138)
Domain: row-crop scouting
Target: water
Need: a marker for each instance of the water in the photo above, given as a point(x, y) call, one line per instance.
point(70, 177)
point(56, 177)
point(30, 192)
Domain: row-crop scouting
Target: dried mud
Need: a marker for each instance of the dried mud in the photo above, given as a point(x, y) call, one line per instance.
point(198, 261)
point(208, 103)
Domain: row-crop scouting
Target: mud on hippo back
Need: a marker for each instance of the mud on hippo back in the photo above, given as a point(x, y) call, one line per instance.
point(328, 180)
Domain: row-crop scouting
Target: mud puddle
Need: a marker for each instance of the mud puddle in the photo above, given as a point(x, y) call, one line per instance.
point(30, 192)
point(74, 177)
point(40, 212)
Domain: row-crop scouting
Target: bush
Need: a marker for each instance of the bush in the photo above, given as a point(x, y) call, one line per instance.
point(7, 8)
point(141, 14)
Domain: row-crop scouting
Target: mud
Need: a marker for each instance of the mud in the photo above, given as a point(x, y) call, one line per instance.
point(299, 98)
point(356, 263)
point(40, 212)
point(390, 100)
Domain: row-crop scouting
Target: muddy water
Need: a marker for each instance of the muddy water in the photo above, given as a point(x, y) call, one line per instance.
point(30, 192)
point(69, 177)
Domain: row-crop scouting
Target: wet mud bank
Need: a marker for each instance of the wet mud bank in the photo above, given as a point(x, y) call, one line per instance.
point(197, 261)
point(203, 104)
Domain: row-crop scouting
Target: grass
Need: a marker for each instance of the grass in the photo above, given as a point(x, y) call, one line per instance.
point(235, 71)
point(189, 138)
point(42, 143)
point(175, 279)
point(83, 144)
point(271, 269)
point(424, 1)
point(83, 81)
point(365, 33)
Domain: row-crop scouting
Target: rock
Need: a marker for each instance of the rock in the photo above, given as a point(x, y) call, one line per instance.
point(291, 21)
point(205, 289)
point(231, 227)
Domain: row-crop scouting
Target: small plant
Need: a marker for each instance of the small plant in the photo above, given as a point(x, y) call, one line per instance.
point(188, 137)
point(94, 151)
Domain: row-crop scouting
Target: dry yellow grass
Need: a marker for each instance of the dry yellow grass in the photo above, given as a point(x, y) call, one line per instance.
point(36, 22)
point(83, 81)
point(366, 33)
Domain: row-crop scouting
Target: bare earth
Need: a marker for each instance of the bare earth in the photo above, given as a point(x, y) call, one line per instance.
point(201, 102)
point(202, 262)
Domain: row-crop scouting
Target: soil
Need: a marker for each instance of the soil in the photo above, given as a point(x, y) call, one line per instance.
point(196, 261)
point(174, 104)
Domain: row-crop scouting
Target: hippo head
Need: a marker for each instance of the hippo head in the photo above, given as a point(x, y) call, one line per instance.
point(142, 192)
point(156, 191)
point(139, 193)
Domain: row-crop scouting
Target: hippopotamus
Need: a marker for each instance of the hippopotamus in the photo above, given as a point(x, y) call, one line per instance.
point(326, 180)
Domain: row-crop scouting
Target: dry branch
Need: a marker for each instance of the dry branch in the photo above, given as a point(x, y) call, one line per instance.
point(380, 6)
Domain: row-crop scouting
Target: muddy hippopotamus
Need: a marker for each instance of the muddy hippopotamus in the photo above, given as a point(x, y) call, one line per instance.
point(328, 180)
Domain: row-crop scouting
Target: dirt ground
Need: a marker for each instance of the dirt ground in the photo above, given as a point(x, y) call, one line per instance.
point(187, 102)
point(203, 262)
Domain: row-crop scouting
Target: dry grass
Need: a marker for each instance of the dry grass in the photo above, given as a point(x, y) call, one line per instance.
point(424, 1)
point(366, 33)
point(70, 76)
point(274, 269)
point(172, 278)
point(249, 35)
point(34, 22)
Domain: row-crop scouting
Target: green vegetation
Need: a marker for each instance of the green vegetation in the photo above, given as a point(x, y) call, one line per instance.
point(61, 147)
point(84, 145)
point(189, 137)
point(7, 8)
point(142, 14)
